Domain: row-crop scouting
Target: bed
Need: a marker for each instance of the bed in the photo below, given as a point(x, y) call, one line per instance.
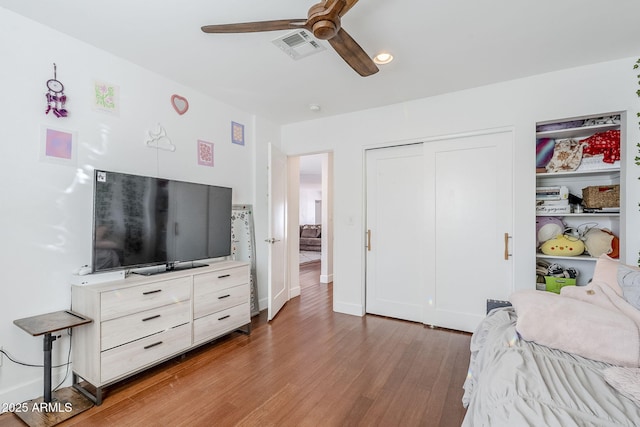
point(558, 360)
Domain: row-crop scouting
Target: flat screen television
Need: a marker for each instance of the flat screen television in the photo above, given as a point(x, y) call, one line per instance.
point(141, 221)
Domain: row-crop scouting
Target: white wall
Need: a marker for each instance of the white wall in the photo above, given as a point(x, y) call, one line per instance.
point(46, 208)
point(518, 104)
point(310, 191)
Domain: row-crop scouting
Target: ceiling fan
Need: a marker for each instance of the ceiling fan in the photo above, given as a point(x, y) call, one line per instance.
point(323, 21)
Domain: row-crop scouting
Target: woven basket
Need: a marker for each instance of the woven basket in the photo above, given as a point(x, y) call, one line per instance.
point(601, 196)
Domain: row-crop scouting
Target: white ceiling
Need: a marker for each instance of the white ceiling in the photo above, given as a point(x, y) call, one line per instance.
point(439, 45)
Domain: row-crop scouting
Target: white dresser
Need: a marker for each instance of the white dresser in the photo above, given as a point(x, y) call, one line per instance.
point(144, 320)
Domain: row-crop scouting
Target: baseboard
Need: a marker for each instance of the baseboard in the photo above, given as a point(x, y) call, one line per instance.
point(294, 292)
point(326, 278)
point(22, 392)
point(346, 308)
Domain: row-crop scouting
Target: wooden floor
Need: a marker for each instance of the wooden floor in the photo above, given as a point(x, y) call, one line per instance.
point(308, 367)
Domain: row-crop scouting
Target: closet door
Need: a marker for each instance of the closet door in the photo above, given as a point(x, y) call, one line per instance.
point(395, 227)
point(469, 208)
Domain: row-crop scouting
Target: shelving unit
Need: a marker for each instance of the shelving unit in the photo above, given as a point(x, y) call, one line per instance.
point(577, 180)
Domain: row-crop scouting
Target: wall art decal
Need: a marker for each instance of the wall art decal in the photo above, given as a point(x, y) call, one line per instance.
point(205, 153)
point(237, 133)
point(58, 146)
point(180, 104)
point(106, 97)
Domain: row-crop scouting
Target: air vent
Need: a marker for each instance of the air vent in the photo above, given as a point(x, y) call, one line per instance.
point(298, 44)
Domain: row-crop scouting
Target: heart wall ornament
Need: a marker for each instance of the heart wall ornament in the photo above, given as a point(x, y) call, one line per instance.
point(180, 104)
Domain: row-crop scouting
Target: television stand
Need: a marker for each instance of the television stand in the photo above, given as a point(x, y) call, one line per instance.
point(143, 321)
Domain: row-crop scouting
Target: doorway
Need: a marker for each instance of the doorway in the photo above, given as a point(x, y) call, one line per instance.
point(311, 216)
point(310, 208)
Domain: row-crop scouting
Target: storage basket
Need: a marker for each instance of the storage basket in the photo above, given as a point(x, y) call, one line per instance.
point(601, 196)
point(554, 284)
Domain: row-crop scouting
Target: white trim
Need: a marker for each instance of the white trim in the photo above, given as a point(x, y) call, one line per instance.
point(346, 308)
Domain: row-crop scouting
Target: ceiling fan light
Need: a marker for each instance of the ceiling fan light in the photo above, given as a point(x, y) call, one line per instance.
point(383, 58)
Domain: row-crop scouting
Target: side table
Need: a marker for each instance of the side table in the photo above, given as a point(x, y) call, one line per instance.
point(46, 324)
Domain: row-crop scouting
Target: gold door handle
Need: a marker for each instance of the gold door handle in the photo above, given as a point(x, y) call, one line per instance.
point(506, 247)
point(369, 240)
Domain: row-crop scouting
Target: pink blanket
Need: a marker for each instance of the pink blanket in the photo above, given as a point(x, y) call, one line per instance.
point(592, 321)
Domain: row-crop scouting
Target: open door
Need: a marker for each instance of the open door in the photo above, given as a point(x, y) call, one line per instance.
point(278, 289)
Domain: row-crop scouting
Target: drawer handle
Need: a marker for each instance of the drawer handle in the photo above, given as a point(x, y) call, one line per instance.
point(224, 296)
point(147, 347)
point(151, 318)
point(152, 292)
point(224, 317)
point(223, 276)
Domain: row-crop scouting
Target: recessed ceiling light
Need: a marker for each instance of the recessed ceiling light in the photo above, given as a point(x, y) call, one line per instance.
point(314, 107)
point(383, 58)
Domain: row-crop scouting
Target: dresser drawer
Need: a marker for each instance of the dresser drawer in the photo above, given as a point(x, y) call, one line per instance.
point(121, 302)
point(135, 355)
point(217, 280)
point(123, 329)
point(219, 323)
point(212, 300)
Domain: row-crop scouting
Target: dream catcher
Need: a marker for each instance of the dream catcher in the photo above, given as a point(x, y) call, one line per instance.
point(55, 96)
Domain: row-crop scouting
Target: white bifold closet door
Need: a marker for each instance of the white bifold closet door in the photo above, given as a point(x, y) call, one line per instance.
point(438, 220)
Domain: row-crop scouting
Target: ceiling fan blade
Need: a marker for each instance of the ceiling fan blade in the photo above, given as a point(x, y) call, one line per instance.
point(349, 5)
point(253, 27)
point(353, 54)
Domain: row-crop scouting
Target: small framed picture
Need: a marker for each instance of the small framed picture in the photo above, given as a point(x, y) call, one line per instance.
point(106, 97)
point(58, 146)
point(205, 153)
point(237, 133)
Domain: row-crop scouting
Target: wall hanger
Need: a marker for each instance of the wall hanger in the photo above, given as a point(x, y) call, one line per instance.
point(55, 96)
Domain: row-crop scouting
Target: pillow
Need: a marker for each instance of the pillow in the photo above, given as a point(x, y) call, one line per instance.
point(563, 246)
point(598, 242)
point(625, 380)
point(544, 151)
point(567, 155)
point(310, 231)
point(629, 281)
point(606, 272)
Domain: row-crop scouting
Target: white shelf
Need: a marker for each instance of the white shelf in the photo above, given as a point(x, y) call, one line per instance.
point(574, 132)
point(572, 258)
point(595, 172)
point(590, 215)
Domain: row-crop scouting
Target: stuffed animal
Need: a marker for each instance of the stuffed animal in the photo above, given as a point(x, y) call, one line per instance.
point(548, 227)
point(563, 245)
point(598, 241)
